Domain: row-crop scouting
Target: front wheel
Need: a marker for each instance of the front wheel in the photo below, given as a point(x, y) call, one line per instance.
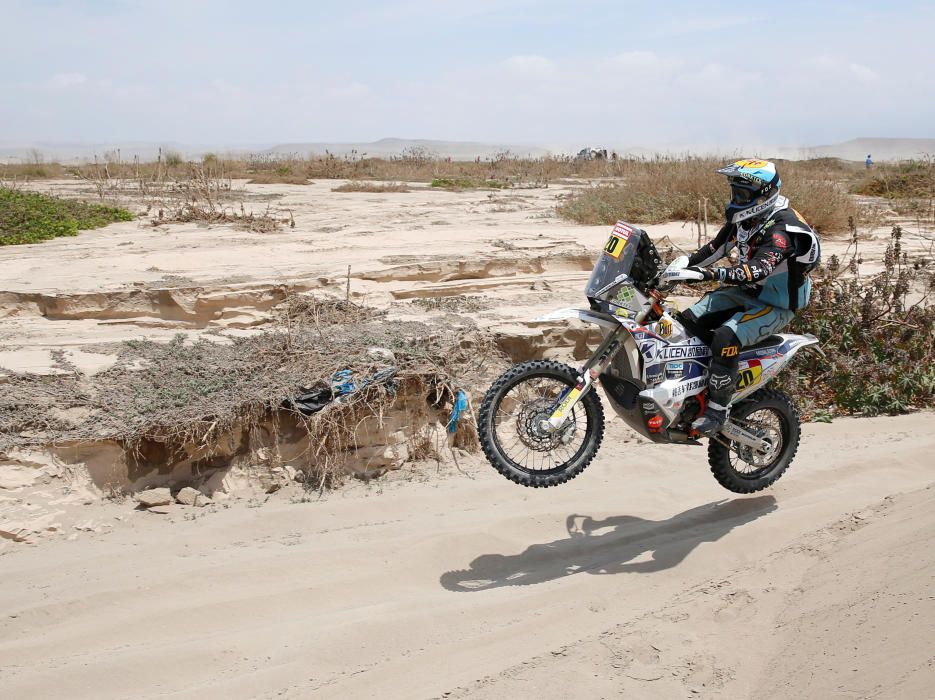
point(512, 412)
point(770, 415)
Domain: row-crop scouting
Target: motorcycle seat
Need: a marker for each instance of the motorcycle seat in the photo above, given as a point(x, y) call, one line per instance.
point(767, 342)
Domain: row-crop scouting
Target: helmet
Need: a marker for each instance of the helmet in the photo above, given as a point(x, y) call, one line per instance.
point(754, 191)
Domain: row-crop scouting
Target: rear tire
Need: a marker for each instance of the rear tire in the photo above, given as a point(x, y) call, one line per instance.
point(780, 420)
point(488, 426)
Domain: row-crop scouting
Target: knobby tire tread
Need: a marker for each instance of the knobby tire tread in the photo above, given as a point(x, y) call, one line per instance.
point(590, 402)
point(719, 455)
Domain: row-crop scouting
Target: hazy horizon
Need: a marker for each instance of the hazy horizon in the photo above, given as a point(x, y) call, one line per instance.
point(511, 71)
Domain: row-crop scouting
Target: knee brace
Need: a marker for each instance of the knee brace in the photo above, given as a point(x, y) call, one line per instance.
point(722, 374)
point(725, 347)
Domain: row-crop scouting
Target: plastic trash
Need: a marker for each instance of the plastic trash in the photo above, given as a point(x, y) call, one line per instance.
point(460, 406)
point(311, 401)
point(342, 382)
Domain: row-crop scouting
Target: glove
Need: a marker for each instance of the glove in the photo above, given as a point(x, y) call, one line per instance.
point(705, 274)
point(685, 274)
point(680, 263)
point(714, 273)
point(673, 273)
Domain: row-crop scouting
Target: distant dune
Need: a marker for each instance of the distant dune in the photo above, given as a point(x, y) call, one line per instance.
point(856, 149)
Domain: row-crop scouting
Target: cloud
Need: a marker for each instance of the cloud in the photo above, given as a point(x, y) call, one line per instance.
point(639, 61)
point(863, 73)
point(529, 66)
point(78, 84)
point(695, 25)
point(839, 67)
point(227, 89)
point(351, 91)
point(64, 81)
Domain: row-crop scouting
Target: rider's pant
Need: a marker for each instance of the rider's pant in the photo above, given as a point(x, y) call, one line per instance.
point(750, 319)
point(729, 319)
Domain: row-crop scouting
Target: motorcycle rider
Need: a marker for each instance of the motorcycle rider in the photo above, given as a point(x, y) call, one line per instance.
point(776, 250)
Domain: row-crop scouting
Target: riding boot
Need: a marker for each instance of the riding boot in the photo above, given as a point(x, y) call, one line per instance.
point(720, 389)
point(725, 347)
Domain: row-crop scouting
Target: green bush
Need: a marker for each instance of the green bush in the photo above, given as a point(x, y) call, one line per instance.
point(30, 217)
point(878, 336)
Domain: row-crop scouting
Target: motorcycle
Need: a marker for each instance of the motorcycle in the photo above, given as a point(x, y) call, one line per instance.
point(541, 422)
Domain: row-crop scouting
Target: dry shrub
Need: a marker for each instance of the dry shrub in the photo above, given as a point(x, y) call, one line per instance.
point(201, 198)
point(194, 211)
point(465, 183)
point(274, 179)
point(413, 165)
point(459, 303)
point(912, 179)
point(651, 192)
point(305, 310)
point(179, 394)
point(818, 191)
point(665, 189)
point(358, 186)
point(181, 192)
point(877, 334)
point(909, 187)
point(640, 190)
point(31, 171)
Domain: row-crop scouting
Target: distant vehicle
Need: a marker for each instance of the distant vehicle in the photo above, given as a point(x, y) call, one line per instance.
point(588, 153)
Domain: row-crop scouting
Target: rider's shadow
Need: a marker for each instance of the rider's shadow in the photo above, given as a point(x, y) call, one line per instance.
point(609, 546)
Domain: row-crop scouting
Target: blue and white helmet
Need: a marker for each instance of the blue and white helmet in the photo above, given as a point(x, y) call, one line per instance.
point(754, 191)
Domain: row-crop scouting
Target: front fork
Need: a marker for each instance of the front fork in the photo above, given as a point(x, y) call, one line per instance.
point(591, 370)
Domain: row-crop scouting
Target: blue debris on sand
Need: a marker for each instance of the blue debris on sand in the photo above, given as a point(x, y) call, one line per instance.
point(460, 406)
point(342, 383)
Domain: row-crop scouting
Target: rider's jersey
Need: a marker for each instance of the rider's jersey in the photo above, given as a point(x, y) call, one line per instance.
point(767, 264)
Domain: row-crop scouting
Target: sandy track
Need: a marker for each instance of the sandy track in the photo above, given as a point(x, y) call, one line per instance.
point(641, 577)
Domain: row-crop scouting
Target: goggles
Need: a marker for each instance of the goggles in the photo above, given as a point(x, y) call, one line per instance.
point(743, 192)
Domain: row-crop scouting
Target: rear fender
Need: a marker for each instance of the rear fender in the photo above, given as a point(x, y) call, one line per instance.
point(758, 367)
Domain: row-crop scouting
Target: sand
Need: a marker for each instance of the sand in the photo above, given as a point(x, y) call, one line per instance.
point(640, 578)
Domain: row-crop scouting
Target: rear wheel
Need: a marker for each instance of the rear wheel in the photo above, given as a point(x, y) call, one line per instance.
point(510, 418)
point(770, 415)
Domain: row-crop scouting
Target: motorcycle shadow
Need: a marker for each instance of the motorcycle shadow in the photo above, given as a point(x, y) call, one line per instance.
point(609, 546)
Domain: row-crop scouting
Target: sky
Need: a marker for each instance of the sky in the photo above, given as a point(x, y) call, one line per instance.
point(618, 73)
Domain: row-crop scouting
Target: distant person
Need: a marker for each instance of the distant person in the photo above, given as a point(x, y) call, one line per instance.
point(868, 162)
point(769, 283)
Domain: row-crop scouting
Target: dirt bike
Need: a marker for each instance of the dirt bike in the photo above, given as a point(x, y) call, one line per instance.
point(541, 422)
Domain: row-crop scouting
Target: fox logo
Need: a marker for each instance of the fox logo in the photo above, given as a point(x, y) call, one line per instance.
point(720, 381)
point(729, 351)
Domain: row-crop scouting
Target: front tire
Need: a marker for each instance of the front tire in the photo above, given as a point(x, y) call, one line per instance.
point(513, 408)
point(772, 415)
